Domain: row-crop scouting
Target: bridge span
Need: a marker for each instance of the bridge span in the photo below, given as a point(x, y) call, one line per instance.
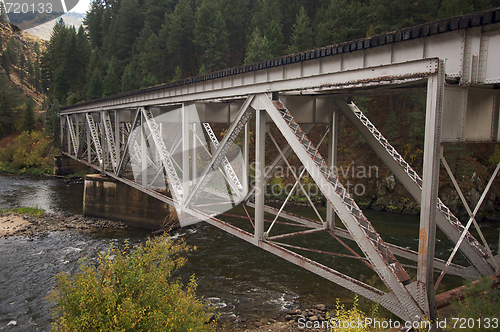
point(160, 141)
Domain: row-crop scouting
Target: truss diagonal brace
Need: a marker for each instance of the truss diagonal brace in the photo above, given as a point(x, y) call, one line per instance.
point(95, 137)
point(173, 178)
point(234, 182)
point(72, 133)
point(242, 118)
point(109, 138)
point(446, 221)
point(385, 264)
point(132, 135)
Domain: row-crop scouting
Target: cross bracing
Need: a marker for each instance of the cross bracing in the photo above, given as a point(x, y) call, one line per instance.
point(163, 136)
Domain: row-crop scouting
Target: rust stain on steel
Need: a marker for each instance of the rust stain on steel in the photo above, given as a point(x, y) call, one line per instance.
point(379, 79)
point(279, 105)
point(423, 237)
point(248, 216)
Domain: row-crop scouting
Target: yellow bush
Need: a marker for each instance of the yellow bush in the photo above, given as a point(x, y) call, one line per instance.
point(130, 290)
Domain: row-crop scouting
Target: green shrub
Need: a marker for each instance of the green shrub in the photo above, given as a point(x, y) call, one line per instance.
point(130, 290)
point(30, 154)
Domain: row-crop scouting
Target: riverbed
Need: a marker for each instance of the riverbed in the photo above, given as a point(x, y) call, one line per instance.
point(241, 281)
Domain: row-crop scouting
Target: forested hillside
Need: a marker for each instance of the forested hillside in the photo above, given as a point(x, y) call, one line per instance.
point(20, 77)
point(130, 44)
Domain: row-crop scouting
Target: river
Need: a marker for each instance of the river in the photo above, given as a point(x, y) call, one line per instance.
point(240, 280)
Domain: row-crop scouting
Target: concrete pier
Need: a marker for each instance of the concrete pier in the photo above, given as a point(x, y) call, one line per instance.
point(108, 198)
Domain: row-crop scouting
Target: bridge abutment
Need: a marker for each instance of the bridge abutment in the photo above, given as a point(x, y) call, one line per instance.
point(105, 197)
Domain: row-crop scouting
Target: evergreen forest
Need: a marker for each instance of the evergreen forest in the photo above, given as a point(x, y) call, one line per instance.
point(130, 44)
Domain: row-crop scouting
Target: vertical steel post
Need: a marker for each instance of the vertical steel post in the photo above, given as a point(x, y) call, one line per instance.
point(430, 184)
point(332, 163)
point(117, 139)
point(68, 136)
point(194, 155)
point(246, 156)
point(144, 155)
point(260, 182)
point(62, 119)
point(185, 152)
point(89, 153)
point(77, 136)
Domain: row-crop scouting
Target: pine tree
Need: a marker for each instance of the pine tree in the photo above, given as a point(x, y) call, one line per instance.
point(266, 11)
point(10, 100)
point(93, 22)
point(155, 11)
point(112, 82)
point(302, 36)
point(274, 35)
point(392, 126)
point(95, 88)
point(148, 81)
point(211, 36)
point(258, 48)
point(22, 63)
point(150, 59)
point(52, 122)
point(139, 43)
point(6, 63)
point(129, 79)
point(29, 115)
point(339, 21)
point(31, 72)
point(180, 38)
point(3, 14)
point(449, 8)
point(129, 24)
point(177, 74)
point(387, 15)
point(38, 77)
point(11, 51)
point(237, 16)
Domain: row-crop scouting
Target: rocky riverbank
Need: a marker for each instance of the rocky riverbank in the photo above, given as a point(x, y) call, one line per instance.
point(291, 321)
point(13, 224)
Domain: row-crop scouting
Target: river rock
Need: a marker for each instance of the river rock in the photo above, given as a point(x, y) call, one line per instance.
point(321, 307)
point(390, 182)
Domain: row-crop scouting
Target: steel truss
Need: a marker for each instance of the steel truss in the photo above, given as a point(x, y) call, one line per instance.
point(411, 300)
